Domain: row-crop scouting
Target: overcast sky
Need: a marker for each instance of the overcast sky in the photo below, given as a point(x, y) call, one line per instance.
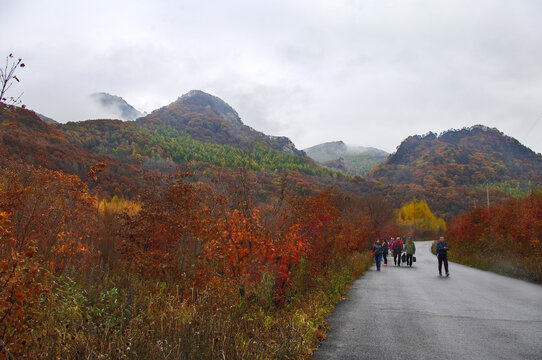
point(366, 72)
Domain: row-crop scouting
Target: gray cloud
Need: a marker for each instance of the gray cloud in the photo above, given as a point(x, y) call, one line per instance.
point(365, 72)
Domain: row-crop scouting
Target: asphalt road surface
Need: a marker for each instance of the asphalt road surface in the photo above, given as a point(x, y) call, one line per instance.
point(412, 313)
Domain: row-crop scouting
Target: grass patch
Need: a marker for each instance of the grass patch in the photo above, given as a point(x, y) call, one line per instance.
point(132, 318)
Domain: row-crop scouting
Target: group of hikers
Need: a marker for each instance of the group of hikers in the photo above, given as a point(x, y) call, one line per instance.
point(404, 252)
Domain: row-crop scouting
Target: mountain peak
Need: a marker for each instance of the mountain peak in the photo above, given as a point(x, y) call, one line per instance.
point(356, 160)
point(471, 155)
point(208, 118)
point(336, 144)
point(203, 100)
point(335, 149)
point(327, 151)
point(195, 92)
point(115, 106)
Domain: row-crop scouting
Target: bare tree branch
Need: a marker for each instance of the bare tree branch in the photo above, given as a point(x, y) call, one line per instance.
point(7, 76)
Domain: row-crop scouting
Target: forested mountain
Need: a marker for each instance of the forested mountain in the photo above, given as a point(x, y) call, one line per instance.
point(126, 148)
point(25, 137)
point(354, 160)
point(209, 119)
point(163, 148)
point(470, 156)
point(115, 106)
point(198, 127)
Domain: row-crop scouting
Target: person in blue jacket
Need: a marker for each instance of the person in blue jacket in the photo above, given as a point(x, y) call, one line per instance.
point(397, 249)
point(442, 256)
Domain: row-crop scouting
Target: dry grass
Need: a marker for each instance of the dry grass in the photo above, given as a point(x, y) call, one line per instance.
point(143, 320)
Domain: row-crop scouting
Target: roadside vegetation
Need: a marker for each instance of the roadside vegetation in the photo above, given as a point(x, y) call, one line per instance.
point(505, 239)
point(188, 269)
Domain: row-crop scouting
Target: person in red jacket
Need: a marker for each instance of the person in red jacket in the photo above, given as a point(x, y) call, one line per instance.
point(397, 250)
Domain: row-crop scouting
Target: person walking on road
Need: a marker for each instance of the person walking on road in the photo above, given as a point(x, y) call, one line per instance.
point(397, 249)
point(442, 256)
point(385, 249)
point(410, 249)
point(377, 251)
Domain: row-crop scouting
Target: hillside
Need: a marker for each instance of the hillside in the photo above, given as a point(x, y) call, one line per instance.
point(209, 119)
point(163, 148)
point(127, 148)
point(25, 137)
point(129, 151)
point(199, 128)
point(354, 160)
point(470, 156)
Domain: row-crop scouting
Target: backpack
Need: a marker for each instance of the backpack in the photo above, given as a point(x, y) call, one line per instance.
point(377, 249)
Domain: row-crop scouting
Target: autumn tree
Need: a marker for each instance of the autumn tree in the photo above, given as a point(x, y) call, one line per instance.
point(53, 205)
point(163, 239)
point(19, 290)
point(417, 219)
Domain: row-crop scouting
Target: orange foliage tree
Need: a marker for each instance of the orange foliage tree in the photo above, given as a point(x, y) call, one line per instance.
point(52, 208)
point(43, 230)
point(19, 290)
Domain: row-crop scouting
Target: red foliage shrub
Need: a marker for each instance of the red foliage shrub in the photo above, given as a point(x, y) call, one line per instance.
point(504, 238)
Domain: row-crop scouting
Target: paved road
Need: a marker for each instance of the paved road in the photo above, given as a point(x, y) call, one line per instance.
point(412, 313)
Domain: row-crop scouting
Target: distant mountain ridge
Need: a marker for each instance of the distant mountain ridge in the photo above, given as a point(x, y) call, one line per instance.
point(355, 160)
point(448, 171)
point(208, 118)
point(468, 156)
point(198, 129)
point(116, 106)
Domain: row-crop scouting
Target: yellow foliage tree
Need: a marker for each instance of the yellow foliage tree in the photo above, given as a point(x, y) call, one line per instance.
point(118, 206)
point(417, 216)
